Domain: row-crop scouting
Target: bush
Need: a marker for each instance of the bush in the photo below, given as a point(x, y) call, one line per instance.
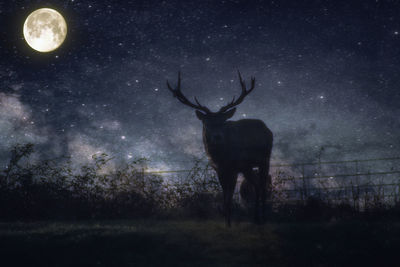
point(54, 189)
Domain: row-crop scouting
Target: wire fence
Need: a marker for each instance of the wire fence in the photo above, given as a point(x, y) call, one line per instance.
point(356, 162)
point(357, 181)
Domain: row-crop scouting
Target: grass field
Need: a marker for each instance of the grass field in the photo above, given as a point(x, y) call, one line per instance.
point(192, 243)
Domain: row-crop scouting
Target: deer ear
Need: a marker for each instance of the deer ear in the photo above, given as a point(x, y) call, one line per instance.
point(200, 115)
point(229, 114)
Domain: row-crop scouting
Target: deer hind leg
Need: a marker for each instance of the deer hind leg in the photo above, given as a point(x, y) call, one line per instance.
point(228, 183)
point(265, 187)
point(252, 178)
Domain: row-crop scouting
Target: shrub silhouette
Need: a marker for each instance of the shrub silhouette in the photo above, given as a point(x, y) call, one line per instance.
point(54, 189)
point(58, 189)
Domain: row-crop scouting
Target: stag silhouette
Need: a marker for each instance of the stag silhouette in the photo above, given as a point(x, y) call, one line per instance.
point(234, 147)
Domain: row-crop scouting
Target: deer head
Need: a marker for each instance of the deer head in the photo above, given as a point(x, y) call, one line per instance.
point(213, 121)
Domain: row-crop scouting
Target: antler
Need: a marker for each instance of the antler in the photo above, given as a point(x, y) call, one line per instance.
point(244, 93)
point(178, 94)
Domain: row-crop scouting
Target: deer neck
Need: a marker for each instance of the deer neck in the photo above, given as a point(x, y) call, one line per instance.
point(214, 151)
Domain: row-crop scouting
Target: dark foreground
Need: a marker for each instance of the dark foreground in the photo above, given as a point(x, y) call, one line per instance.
point(190, 243)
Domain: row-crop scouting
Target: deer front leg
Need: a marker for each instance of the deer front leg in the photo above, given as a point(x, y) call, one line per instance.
point(228, 183)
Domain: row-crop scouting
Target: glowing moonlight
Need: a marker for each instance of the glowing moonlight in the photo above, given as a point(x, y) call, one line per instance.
point(45, 29)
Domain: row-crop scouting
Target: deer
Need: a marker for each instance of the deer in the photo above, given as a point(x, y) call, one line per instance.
point(233, 147)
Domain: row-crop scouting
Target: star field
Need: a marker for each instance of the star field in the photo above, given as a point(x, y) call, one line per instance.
point(327, 76)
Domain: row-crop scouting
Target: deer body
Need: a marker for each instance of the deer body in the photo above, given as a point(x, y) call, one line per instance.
point(235, 147)
point(243, 143)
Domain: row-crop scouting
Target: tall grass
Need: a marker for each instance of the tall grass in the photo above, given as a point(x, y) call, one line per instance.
point(58, 189)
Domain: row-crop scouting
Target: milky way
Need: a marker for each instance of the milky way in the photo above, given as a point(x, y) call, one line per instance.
point(327, 78)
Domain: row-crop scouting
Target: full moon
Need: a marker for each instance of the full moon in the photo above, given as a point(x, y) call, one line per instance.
point(45, 29)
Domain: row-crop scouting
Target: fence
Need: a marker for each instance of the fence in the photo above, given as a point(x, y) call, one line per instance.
point(357, 181)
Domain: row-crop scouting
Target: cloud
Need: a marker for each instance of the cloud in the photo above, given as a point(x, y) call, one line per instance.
point(188, 139)
point(81, 148)
point(17, 124)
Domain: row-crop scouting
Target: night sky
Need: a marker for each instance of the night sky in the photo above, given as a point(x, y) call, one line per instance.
point(327, 77)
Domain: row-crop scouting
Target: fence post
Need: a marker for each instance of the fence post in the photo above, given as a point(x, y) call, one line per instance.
point(304, 191)
point(357, 205)
point(356, 163)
